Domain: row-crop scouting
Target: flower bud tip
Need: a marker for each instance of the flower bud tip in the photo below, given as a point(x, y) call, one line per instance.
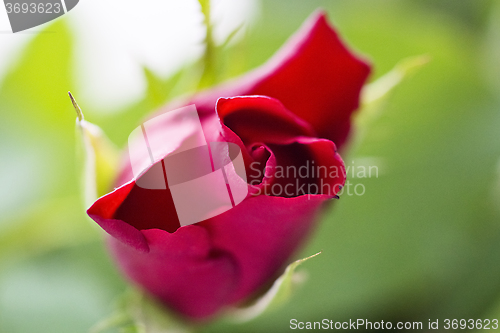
point(79, 113)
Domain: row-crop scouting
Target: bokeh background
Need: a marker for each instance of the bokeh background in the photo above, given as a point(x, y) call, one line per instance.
point(422, 243)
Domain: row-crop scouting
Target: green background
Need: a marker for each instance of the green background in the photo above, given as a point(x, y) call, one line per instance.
point(422, 243)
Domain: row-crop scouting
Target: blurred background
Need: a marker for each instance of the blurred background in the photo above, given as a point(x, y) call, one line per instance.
point(423, 242)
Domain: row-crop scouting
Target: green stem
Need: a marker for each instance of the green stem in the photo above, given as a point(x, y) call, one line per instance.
point(208, 77)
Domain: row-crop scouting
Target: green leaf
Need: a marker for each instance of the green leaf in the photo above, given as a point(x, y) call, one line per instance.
point(37, 138)
point(99, 155)
point(155, 88)
point(118, 322)
point(230, 37)
point(32, 105)
point(279, 293)
point(159, 90)
point(375, 95)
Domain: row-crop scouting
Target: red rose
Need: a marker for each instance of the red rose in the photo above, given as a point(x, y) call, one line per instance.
point(290, 113)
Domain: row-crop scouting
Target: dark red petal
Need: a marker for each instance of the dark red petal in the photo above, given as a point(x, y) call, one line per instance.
point(261, 119)
point(201, 268)
point(182, 269)
point(314, 75)
point(148, 209)
point(307, 166)
point(103, 212)
point(261, 240)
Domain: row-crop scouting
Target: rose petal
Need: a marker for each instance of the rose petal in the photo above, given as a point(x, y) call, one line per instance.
point(103, 212)
point(183, 269)
point(201, 268)
point(314, 75)
point(261, 119)
point(307, 166)
point(261, 240)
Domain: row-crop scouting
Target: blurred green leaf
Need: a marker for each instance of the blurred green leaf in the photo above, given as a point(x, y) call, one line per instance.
point(37, 126)
point(34, 108)
point(496, 189)
point(45, 227)
point(156, 91)
point(230, 38)
point(491, 49)
point(375, 95)
point(159, 90)
point(118, 322)
point(60, 291)
point(279, 293)
point(209, 74)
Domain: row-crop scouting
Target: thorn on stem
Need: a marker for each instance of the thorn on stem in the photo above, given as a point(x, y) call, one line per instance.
point(79, 113)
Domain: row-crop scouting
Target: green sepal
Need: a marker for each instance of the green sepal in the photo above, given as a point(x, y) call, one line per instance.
point(375, 95)
point(279, 293)
point(99, 158)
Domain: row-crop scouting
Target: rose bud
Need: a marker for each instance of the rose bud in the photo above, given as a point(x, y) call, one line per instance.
point(291, 114)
